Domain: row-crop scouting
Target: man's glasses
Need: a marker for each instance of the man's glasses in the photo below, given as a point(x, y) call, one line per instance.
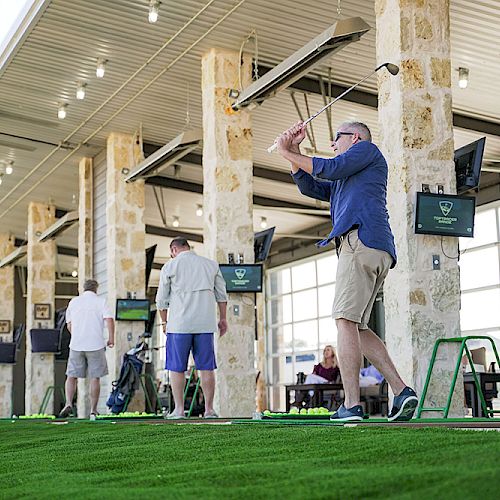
point(339, 134)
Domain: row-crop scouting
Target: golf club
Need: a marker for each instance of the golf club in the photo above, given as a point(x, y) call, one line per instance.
point(391, 68)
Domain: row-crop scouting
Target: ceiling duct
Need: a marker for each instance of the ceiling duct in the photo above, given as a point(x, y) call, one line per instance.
point(167, 155)
point(14, 256)
point(65, 222)
point(334, 38)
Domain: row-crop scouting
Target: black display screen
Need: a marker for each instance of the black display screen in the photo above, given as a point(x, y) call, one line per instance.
point(242, 277)
point(445, 215)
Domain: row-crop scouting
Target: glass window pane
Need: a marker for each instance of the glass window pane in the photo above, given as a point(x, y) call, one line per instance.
point(280, 282)
point(305, 335)
point(327, 332)
point(305, 362)
point(281, 339)
point(277, 398)
point(480, 310)
point(325, 300)
point(281, 371)
point(485, 230)
point(281, 309)
point(304, 276)
point(479, 268)
point(305, 305)
point(327, 269)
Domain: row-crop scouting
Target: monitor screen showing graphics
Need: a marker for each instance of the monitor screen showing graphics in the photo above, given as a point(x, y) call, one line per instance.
point(242, 277)
point(445, 215)
point(132, 310)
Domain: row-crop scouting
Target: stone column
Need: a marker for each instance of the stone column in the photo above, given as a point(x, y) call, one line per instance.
point(228, 228)
point(85, 254)
point(6, 314)
point(416, 132)
point(125, 243)
point(41, 290)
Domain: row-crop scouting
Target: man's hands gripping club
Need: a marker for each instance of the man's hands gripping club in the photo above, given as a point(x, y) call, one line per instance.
point(287, 145)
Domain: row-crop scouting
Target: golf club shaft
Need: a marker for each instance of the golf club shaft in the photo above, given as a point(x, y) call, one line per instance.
point(312, 117)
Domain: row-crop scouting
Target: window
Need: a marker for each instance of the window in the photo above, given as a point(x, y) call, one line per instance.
point(299, 302)
point(480, 279)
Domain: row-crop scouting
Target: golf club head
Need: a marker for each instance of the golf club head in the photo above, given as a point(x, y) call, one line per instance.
point(391, 68)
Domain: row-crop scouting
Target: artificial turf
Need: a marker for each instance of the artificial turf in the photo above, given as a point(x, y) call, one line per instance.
point(155, 460)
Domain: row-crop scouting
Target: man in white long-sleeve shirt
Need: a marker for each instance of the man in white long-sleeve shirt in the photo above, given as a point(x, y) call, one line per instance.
point(190, 286)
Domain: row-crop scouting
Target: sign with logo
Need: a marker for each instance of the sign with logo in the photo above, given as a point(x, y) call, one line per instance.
point(242, 277)
point(445, 215)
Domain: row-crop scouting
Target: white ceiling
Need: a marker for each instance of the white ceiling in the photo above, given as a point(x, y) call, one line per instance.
point(62, 46)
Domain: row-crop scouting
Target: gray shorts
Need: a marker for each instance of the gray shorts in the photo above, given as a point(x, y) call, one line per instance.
point(81, 363)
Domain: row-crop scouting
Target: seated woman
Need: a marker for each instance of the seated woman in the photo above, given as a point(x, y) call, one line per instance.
point(327, 371)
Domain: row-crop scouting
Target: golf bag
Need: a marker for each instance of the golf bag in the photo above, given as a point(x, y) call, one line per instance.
point(126, 385)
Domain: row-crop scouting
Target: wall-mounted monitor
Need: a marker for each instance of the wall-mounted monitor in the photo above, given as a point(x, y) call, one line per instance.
point(445, 215)
point(132, 310)
point(262, 244)
point(468, 161)
point(242, 277)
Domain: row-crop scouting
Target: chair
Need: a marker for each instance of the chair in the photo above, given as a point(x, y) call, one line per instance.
point(8, 350)
point(376, 398)
point(45, 340)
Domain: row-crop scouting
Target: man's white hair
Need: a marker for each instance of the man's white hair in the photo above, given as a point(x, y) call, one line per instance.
point(358, 127)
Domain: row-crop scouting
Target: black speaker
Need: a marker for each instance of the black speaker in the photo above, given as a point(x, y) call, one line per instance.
point(8, 352)
point(45, 340)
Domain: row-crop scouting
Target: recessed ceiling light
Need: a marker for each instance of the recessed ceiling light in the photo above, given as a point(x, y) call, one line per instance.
point(61, 111)
point(154, 8)
point(101, 68)
point(463, 77)
point(80, 91)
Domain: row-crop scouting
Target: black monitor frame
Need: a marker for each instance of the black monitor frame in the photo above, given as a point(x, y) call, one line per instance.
point(468, 161)
point(132, 300)
point(252, 290)
point(456, 233)
point(262, 242)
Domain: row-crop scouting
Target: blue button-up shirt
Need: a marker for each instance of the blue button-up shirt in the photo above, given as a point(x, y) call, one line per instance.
point(355, 184)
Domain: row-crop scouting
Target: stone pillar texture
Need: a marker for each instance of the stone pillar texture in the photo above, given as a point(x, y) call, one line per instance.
point(228, 225)
point(416, 131)
point(85, 256)
point(125, 245)
point(6, 314)
point(41, 290)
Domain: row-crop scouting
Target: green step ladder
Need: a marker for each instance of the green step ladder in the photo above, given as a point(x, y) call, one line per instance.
point(51, 391)
point(197, 387)
point(463, 341)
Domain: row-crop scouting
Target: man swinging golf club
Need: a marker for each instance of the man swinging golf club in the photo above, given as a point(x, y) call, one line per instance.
point(355, 184)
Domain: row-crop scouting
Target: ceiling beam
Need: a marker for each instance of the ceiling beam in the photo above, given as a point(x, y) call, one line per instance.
point(194, 187)
point(172, 233)
point(61, 250)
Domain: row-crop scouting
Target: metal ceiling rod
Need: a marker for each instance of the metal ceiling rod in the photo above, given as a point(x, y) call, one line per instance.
point(297, 108)
point(313, 144)
point(325, 101)
point(116, 92)
point(117, 112)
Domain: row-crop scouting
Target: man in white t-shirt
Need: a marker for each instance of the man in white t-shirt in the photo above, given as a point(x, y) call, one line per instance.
point(85, 317)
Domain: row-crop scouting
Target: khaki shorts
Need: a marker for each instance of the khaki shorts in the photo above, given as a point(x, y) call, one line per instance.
point(360, 273)
point(81, 363)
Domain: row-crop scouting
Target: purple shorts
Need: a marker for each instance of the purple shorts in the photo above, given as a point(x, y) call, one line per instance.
point(180, 344)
